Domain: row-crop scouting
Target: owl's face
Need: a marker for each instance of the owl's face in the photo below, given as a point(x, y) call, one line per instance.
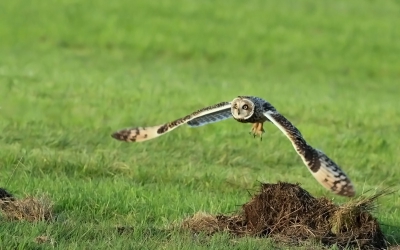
point(242, 108)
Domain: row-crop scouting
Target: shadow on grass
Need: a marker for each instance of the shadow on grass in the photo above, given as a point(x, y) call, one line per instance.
point(392, 234)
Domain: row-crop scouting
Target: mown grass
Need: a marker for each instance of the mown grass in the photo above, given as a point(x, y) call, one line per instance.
point(73, 72)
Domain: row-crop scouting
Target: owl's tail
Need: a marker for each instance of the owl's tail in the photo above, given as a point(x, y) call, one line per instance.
point(137, 134)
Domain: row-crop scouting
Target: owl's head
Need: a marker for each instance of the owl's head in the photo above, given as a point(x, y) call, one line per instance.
point(242, 108)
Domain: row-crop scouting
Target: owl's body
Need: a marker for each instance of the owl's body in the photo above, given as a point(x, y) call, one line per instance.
point(253, 114)
point(255, 110)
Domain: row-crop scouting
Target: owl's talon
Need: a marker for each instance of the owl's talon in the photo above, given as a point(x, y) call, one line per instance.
point(257, 130)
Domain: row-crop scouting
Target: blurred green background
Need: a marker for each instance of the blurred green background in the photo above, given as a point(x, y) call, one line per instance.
point(73, 72)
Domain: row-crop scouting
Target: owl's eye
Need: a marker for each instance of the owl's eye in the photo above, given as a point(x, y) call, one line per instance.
point(245, 107)
point(235, 106)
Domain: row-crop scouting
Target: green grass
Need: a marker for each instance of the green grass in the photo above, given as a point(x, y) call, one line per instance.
point(73, 72)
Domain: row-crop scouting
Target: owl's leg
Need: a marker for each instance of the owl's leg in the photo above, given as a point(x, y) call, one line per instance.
point(257, 129)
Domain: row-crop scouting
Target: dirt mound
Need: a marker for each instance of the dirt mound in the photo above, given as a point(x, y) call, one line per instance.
point(29, 209)
point(5, 195)
point(289, 214)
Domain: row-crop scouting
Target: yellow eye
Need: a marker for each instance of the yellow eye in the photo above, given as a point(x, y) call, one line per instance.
point(245, 107)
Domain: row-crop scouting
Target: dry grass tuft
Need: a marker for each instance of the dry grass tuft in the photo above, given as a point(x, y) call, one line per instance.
point(45, 239)
point(289, 214)
point(29, 209)
point(202, 222)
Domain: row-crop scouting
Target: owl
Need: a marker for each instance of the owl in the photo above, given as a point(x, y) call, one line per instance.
point(254, 110)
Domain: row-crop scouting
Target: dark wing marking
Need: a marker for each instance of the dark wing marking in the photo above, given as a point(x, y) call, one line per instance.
point(327, 172)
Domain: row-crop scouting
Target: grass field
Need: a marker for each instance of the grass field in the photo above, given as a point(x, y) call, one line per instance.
point(73, 72)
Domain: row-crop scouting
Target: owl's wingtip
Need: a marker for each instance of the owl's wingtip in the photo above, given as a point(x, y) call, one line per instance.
point(119, 136)
point(115, 135)
point(351, 192)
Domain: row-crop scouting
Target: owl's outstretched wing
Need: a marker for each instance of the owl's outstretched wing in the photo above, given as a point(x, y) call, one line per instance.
point(211, 114)
point(327, 172)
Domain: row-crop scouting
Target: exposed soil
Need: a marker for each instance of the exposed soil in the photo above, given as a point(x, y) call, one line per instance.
point(5, 195)
point(289, 214)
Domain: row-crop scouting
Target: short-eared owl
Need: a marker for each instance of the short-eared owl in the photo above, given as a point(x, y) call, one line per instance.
point(250, 109)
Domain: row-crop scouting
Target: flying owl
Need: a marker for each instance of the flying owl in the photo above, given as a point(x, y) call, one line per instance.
point(254, 110)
